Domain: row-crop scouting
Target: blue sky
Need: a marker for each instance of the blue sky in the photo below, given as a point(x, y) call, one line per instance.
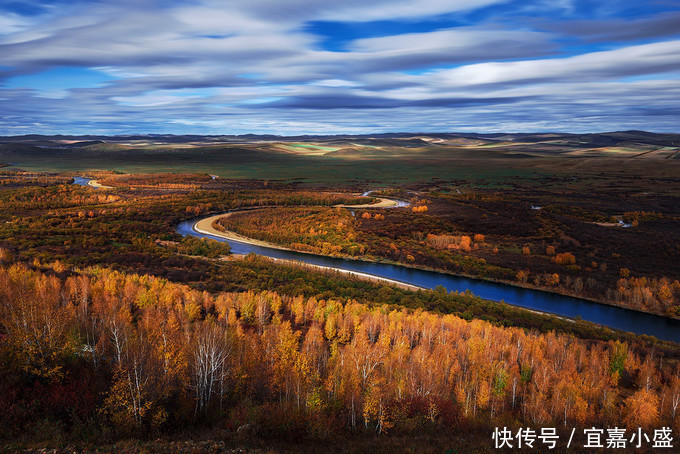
point(334, 67)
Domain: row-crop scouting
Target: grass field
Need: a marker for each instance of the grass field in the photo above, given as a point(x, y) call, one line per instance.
point(497, 161)
point(280, 166)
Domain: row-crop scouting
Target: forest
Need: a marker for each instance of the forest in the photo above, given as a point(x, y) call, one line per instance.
point(99, 355)
point(118, 333)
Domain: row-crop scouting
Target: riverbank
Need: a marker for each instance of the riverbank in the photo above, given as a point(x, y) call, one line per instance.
point(524, 297)
point(205, 226)
point(89, 182)
point(383, 203)
point(363, 276)
point(373, 278)
point(95, 184)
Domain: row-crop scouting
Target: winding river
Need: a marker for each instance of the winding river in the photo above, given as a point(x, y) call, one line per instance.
point(614, 317)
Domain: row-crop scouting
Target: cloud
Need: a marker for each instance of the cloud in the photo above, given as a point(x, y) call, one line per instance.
point(12, 23)
point(448, 47)
point(228, 66)
point(633, 60)
point(353, 101)
point(621, 29)
point(354, 10)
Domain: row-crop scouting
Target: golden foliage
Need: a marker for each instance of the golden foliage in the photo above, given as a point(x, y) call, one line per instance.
point(210, 349)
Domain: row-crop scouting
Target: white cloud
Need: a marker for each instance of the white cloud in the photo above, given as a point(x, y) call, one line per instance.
point(335, 83)
point(642, 59)
point(11, 24)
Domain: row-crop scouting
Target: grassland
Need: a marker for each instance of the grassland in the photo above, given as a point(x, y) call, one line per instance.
point(388, 159)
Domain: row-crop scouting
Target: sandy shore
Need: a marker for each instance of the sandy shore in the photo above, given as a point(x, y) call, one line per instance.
point(205, 226)
point(383, 203)
point(362, 276)
point(95, 184)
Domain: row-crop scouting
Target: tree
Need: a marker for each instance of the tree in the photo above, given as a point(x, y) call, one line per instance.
point(35, 326)
point(134, 398)
point(553, 279)
point(675, 395)
point(211, 350)
point(641, 409)
point(565, 258)
point(664, 294)
point(617, 359)
point(522, 275)
point(375, 407)
point(5, 255)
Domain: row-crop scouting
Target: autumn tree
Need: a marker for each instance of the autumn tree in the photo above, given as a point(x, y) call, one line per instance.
point(211, 350)
point(160, 365)
point(565, 258)
point(552, 279)
point(522, 275)
point(5, 256)
point(134, 400)
point(641, 410)
point(34, 324)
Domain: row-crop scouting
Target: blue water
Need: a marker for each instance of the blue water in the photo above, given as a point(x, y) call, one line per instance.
point(614, 317)
point(81, 181)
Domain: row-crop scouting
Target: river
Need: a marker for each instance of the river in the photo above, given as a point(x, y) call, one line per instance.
point(81, 181)
point(614, 317)
point(602, 314)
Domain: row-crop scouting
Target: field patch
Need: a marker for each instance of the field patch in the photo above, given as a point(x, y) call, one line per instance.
point(307, 149)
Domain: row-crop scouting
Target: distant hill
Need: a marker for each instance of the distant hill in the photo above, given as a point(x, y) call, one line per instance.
point(151, 150)
point(599, 139)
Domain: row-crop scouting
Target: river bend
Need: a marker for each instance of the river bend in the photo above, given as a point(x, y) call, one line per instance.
point(614, 317)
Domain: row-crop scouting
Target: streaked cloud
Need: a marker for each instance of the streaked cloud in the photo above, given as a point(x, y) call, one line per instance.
point(401, 65)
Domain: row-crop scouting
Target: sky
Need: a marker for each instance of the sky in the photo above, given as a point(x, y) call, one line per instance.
point(338, 66)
